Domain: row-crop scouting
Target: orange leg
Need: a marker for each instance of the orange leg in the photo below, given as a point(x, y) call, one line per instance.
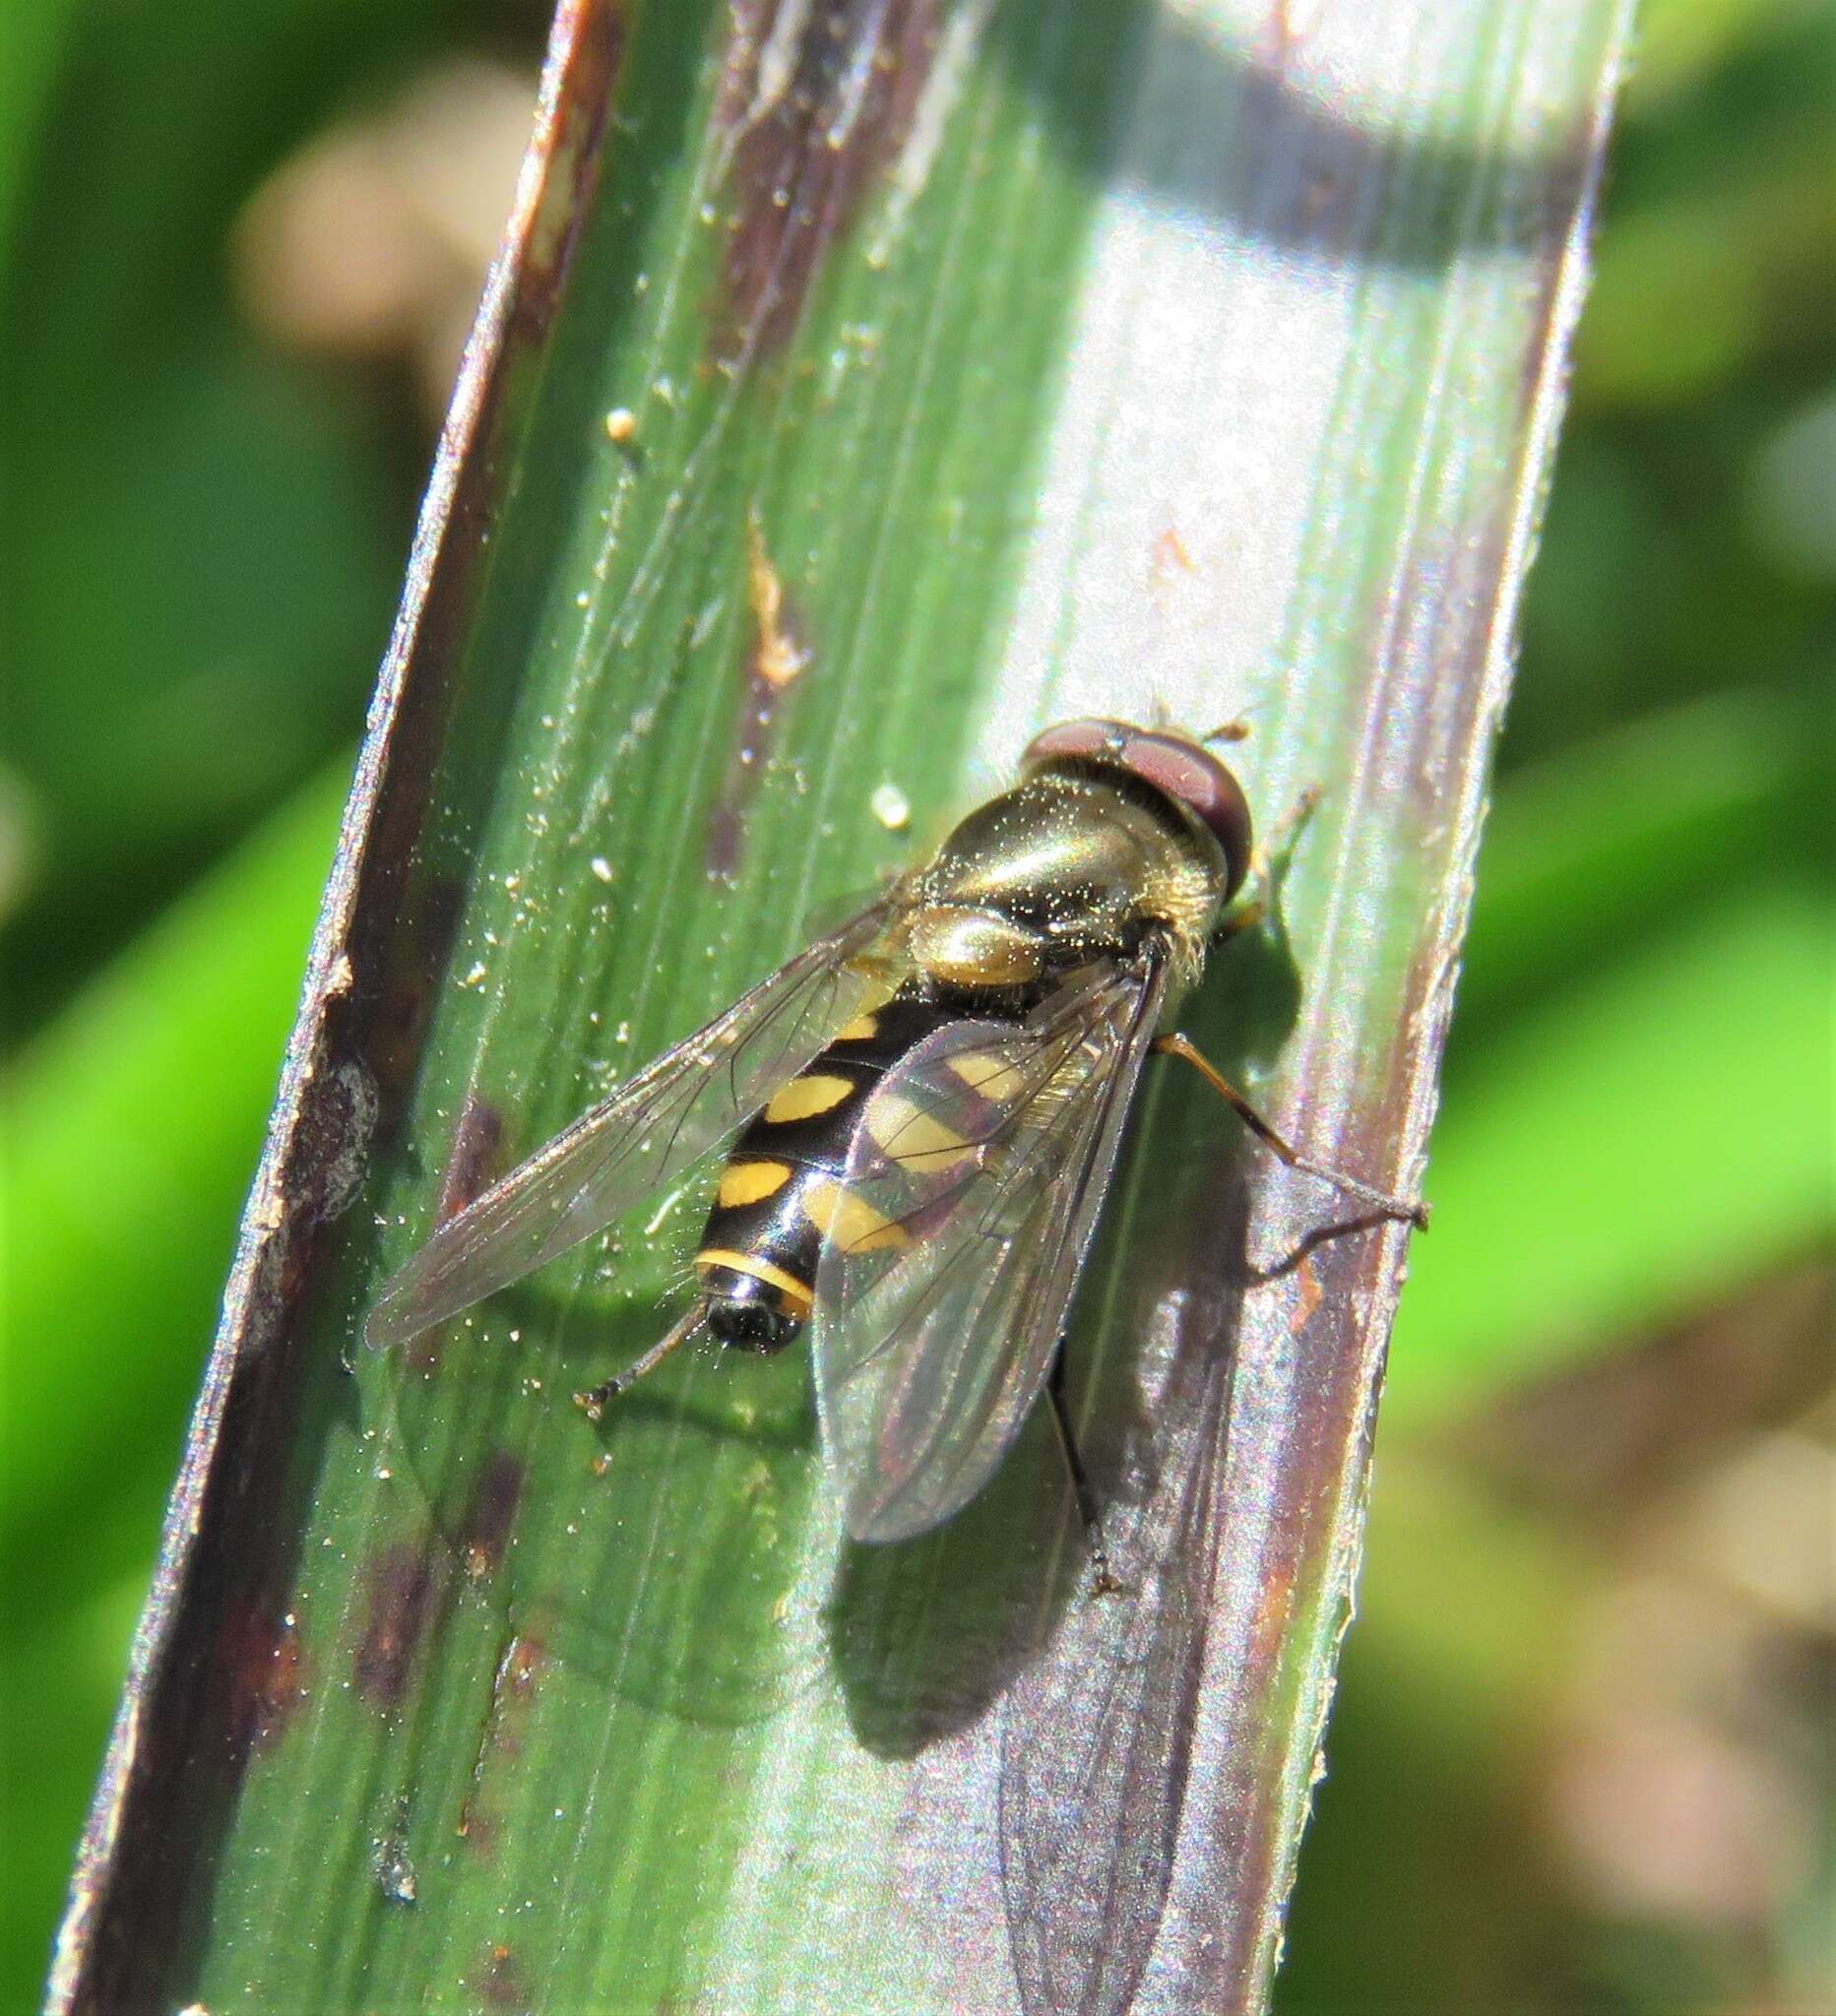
point(1176, 1046)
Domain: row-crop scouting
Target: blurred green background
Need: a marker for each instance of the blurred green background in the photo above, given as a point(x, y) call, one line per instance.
point(1581, 1758)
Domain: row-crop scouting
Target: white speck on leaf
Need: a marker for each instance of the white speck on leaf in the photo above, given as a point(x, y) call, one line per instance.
point(891, 807)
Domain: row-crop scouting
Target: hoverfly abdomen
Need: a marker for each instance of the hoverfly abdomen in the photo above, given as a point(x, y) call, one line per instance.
point(782, 1190)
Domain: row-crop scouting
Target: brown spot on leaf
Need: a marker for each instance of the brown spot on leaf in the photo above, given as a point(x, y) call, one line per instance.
point(815, 109)
point(398, 1608)
point(472, 1166)
point(720, 855)
point(501, 1983)
point(266, 1663)
point(491, 1513)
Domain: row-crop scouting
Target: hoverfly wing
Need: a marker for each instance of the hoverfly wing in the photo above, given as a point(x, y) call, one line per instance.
point(972, 1192)
point(674, 1111)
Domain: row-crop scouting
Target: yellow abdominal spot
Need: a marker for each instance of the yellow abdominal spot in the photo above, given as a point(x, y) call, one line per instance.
point(849, 1222)
point(859, 1030)
point(985, 1073)
point(912, 1137)
point(816, 1091)
point(799, 1300)
point(751, 1183)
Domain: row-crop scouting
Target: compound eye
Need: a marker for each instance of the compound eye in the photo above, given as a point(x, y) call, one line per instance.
point(1204, 785)
point(1182, 770)
point(1091, 736)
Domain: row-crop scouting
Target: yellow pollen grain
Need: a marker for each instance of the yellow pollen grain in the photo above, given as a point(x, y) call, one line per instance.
point(989, 1075)
point(816, 1091)
point(912, 1138)
point(859, 1030)
point(851, 1222)
point(751, 1183)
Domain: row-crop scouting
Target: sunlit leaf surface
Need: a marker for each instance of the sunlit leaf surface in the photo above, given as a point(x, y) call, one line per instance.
point(871, 386)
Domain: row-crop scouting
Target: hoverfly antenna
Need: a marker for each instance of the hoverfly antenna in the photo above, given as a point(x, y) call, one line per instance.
point(1236, 729)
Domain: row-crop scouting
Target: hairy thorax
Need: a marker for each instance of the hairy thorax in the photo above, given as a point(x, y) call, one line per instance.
point(1064, 869)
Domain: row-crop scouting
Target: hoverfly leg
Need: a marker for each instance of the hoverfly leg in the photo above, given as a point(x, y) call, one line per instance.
point(1103, 1580)
point(1177, 1046)
point(1270, 859)
point(593, 1402)
point(1243, 918)
point(1268, 863)
point(1286, 831)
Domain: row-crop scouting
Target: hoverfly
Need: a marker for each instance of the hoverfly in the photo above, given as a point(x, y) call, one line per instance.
point(922, 1112)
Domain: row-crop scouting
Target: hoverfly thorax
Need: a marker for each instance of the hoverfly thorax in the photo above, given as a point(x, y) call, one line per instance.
point(1109, 836)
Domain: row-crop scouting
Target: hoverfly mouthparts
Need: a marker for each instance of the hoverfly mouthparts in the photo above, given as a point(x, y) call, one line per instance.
point(1180, 768)
point(916, 1119)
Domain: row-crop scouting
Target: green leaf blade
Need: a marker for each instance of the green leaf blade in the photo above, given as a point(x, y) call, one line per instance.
point(1129, 368)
